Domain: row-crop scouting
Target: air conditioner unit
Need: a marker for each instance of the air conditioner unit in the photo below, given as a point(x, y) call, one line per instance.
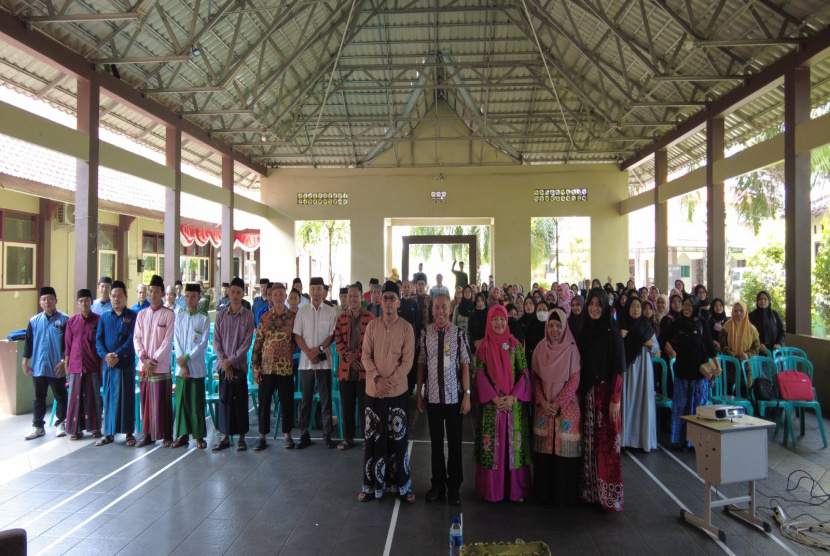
point(66, 214)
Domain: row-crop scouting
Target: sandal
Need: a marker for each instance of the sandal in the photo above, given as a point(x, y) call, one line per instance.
point(78, 436)
point(408, 497)
point(241, 446)
point(201, 444)
point(183, 440)
point(130, 440)
point(105, 440)
point(167, 442)
point(96, 434)
point(365, 496)
point(223, 445)
point(345, 445)
point(145, 441)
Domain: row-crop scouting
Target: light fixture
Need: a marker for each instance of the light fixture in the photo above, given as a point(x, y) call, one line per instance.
point(440, 177)
point(195, 51)
point(262, 137)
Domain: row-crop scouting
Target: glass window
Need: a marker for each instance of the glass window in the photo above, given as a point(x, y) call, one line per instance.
point(106, 263)
point(148, 243)
point(18, 227)
point(160, 244)
point(106, 238)
point(161, 265)
point(19, 268)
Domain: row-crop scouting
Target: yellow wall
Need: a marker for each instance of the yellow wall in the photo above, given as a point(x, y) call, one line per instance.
point(17, 304)
point(504, 193)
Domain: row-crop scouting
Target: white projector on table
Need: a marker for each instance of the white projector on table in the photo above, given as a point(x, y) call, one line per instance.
point(719, 412)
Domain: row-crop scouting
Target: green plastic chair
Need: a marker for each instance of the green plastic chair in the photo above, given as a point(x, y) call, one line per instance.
point(788, 351)
point(801, 364)
point(731, 394)
point(762, 366)
point(662, 400)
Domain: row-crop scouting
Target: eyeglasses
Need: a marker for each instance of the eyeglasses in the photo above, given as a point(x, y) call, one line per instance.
point(390, 298)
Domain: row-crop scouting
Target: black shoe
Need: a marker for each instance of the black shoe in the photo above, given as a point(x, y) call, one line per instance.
point(288, 444)
point(327, 442)
point(260, 445)
point(305, 442)
point(436, 492)
point(453, 497)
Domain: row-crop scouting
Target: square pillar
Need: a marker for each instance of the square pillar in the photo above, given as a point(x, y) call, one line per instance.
point(367, 238)
point(172, 207)
point(510, 257)
point(661, 222)
point(715, 212)
point(226, 249)
point(124, 225)
point(797, 173)
point(86, 188)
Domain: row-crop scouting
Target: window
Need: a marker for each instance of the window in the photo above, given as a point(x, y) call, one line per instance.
point(18, 238)
point(195, 263)
point(152, 245)
point(107, 251)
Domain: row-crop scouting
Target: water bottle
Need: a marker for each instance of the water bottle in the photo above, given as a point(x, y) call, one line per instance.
point(456, 537)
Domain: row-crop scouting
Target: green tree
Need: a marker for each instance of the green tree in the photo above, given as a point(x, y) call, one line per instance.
point(767, 273)
point(821, 279)
point(330, 233)
point(454, 251)
point(544, 245)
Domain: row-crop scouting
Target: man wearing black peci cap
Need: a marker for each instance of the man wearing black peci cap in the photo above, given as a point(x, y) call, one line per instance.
point(224, 300)
point(103, 304)
point(297, 284)
point(344, 301)
point(83, 364)
point(262, 298)
point(314, 334)
point(43, 361)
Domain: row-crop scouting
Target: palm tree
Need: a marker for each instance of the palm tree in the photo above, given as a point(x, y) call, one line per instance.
point(544, 243)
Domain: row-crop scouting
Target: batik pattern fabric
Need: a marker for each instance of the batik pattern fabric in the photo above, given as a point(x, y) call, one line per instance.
point(157, 405)
point(602, 463)
point(385, 457)
point(560, 435)
point(85, 406)
point(274, 345)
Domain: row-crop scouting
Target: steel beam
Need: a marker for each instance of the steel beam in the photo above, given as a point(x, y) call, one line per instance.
point(142, 60)
point(82, 18)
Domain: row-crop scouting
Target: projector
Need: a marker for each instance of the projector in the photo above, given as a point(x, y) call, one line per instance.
point(719, 412)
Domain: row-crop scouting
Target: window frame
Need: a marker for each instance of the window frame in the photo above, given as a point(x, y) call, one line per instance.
point(33, 244)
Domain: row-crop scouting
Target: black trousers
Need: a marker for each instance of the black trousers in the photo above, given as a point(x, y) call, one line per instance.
point(307, 378)
point(284, 387)
point(351, 391)
point(42, 385)
point(440, 416)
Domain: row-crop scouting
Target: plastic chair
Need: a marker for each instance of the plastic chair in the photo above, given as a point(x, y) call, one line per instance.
point(801, 364)
point(662, 400)
point(732, 394)
point(253, 389)
point(762, 366)
point(336, 405)
point(211, 391)
point(789, 351)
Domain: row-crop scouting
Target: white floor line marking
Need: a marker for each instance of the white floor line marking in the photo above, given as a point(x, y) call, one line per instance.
point(388, 548)
point(676, 500)
point(778, 541)
point(96, 483)
point(116, 501)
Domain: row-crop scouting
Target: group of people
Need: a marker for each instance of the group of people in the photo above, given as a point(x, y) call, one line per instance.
point(560, 379)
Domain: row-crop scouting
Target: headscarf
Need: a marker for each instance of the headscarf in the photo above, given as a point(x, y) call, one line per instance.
point(574, 320)
point(660, 315)
point(655, 323)
point(526, 318)
point(477, 324)
point(555, 301)
point(465, 306)
point(717, 320)
point(493, 299)
point(565, 299)
point(677, 314)
point(640, 330)
point(555, 362)
point(740, 333)
point(600, 344)
point(705, 304)
point(496, 351)
point(765, 322)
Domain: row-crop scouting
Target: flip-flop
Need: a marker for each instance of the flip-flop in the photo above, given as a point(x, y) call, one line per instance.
point(201, 444)
point(182, 441)
point(343, 446)
point(104, 441)
point(223, 445)
point(130, 440)
point(96, 434)
point(408, 497)
point(365, 496)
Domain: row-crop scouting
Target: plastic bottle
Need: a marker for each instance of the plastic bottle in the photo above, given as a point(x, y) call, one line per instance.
point(456, 537)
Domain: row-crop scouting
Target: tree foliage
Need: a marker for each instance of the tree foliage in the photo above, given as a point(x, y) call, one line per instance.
point(453, 251)
point(821, 278)
point(767, 274)
point(543, 251)
point(328, 233)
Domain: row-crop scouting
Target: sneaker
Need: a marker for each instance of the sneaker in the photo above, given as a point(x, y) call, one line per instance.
point(61, 430)
point(36, 433)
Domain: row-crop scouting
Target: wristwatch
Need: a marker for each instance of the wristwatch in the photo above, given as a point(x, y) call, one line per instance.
point(467, 392)
point(377, 378)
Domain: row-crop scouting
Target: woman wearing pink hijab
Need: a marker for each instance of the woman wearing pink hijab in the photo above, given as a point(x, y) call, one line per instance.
point(494, 298)
point(557, 438)
point(565, 299)
point(502, 431)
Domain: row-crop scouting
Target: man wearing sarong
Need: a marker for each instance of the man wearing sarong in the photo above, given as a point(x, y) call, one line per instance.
point(190, 342)
point(314, 334)
point(233, 332)
point(43, 361)
point(114, 342)
point(83, 364)
point(273, 362)
point(153, 341)
point(388, 351)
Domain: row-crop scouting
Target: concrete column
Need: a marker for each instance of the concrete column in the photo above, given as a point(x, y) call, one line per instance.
point(44, 252)
point(226, 249)
point(367, 248)
point(661, 222)
point(715, 212)
point(86, 188)
point(511, 250)
point(172, 208)
point(278, 238)
point(390, 264)
point(797, 242)
point(124, 225)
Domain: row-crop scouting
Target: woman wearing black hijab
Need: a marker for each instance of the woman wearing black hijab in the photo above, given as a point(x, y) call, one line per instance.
point(690, 340)
point(536, 330)
point(768, 323)
point(703, 296)
point(462, 311)
point(575, 318)
point(603, 365)
point(477, 322)
point(717, 318)
point(528, 314)
point(639, 409)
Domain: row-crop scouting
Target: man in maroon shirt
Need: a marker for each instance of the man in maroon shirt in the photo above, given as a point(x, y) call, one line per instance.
point(83, 365)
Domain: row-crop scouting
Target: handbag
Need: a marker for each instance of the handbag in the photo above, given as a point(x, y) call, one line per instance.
point(710, 370)
point(762, 389)
point(795, 386)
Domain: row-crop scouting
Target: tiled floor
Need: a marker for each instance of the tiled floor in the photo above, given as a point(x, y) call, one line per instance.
point(75, 498)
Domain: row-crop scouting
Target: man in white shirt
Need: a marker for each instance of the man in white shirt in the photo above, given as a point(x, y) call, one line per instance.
point(439, 288)
point(314, 334)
